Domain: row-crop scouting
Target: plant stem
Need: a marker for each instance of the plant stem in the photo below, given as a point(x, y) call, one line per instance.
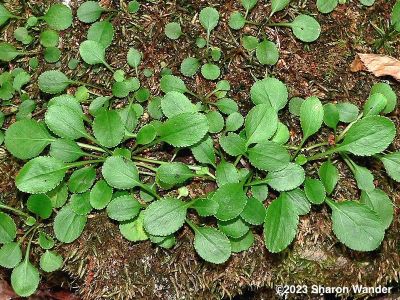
point(87, 146)
point(149, 191)
point(285, 24)
point(15, 210)
point(316, 146)
point(323, 154)
point(84, 162)
point(343, 133)
point(146, 166)
point(138, 150)
point(149, 160)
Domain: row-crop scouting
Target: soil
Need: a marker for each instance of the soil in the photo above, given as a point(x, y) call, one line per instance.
point(101, 264)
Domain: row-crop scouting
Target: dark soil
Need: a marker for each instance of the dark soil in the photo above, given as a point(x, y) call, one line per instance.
point(101, 264)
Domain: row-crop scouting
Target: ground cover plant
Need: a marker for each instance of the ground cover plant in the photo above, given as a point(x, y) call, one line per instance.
point(91, 152)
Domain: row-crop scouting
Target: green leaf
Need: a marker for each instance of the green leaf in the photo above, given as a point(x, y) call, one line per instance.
point(53, 82)
point(8, 52)
point(58, 17)
point(100, 195)
point(120, 173)
point(58, 195)
point(231, 201)
point(134, 57)
point(108, 128)
point(50, 261)
point(27, 138)
point(375, 104)
point(92, 53)
point(267, 53)
point(326, 6)
point(133, 230)
point(66, 150)
point(65, 122)
point(311, 116)
point(226, 173)
point(215, 121)
point(227, 106)
point(367, 2)
point(164, 217)
point(289, 178)
point(165, 242)
point(299, 200)
point(367, 231)
point(101, 32)
point(8, 229)
point(348, 112)
point(387, 91)
point(242, 244)
point(89, 11)
point(184, 129)
point(248, 4)
point(146, 134)
point(204, 151)
point(380, 203)
point(236, 20)
point(4, 15)
point(170, 83)
point(210, 71)
point(261, 123)
point(331, 115)
point(25, 279)
point(189, 66)
point(260, 192)
point(395, 16)
point(209, 18)
point(133, 6)
point(82, 179)
point(68, 225)
point(306, 28)
point(254, 212)
point(10, 255)
point(174, 173)
point(233, 144)
point(40, 205)
point(270, 91)
point(235, 228)
point(205, 207)
point(282, 134)
point(391, 162)
point(315, 190)
point(80, 203)
point(175, 103)
point(363, 176)
point(269, 156)
point(40, 175)
point(368, 136)
point(278, 5)
point(249, 42)
point(69, 101)
point(329, 175)
point(123, 208)
point(45, 241)
point(173, 30)
point(280, 225)
point(211, 244)
point(234, 121)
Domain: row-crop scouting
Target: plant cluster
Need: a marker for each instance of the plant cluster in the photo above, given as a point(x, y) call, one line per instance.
point(88, 154)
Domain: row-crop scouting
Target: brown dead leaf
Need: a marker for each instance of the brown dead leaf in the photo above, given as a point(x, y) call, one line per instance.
point(379, 65)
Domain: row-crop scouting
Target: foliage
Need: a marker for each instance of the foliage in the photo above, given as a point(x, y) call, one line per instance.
point(94, 153)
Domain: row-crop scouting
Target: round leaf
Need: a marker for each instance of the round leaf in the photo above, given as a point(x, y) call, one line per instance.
point(40, 175)
point(25, 279)
point(165, 216)
point(120, 173)
point(123, 208)
point(68, 225)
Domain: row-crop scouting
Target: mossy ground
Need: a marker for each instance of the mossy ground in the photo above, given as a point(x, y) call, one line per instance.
point(101, 264)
